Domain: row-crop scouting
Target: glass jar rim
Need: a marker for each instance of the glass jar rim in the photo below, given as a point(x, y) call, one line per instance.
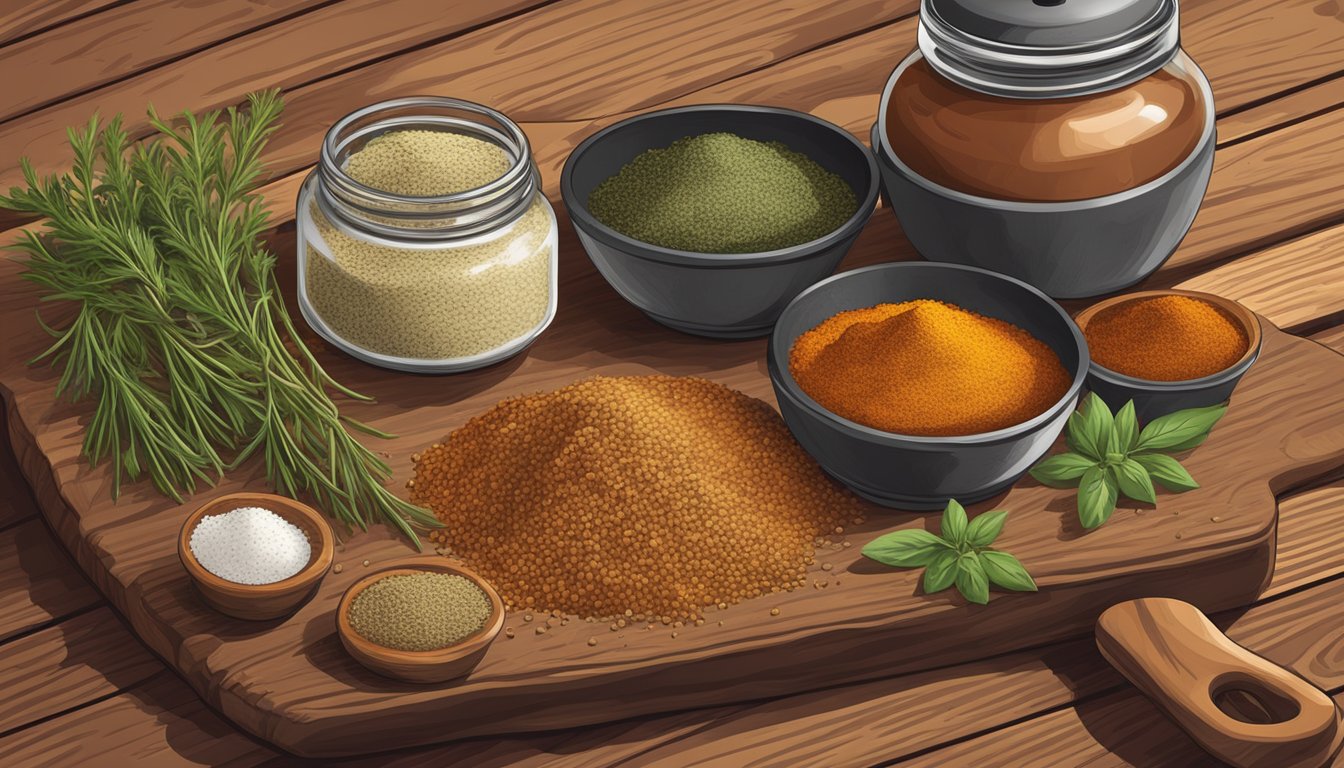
point(463, 213)
point(1016, 70)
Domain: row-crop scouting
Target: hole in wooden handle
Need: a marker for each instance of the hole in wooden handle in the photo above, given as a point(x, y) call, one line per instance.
point(1248, 700)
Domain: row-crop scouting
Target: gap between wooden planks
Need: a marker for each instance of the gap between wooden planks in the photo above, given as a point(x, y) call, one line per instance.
point(555, 62)
point(574, 58)
point(24, 18)
point(95, 50)
point(929, 710)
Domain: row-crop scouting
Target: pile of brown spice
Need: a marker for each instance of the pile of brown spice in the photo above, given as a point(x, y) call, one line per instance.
point(927, 368)
point(1165, 338)
point(655, 495)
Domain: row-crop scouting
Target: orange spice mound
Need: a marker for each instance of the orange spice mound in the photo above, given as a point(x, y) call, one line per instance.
point(927, 368)
point(1165, 338)
point(652, 496)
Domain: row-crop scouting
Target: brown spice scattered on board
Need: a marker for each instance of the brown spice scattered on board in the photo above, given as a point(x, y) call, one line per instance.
point(654, 494)
point(337, 568)
point(592, 641)
point(1165, 338)
point(366, 563)
point(508, 631)
point(927, 368)
point(774, 611)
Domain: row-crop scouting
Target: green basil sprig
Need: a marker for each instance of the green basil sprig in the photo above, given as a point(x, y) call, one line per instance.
point(961, 555)
point(1109, 456)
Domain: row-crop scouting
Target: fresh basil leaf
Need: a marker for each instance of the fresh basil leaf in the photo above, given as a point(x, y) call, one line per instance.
point(1179, 428)
point(941, 572)
point(1089, 428)
point(984, 529)
point(1006, 571)
point(908, 548)
point(1096, 497)
point(1062, 470)
point(1134, 481)
point(953, 526)
point(1192, 443)
point(971, 579)
point(1126, 432)
point(1167, 471)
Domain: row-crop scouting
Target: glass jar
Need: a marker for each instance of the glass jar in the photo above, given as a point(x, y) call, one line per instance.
point(1067, 143)
point(424, 241)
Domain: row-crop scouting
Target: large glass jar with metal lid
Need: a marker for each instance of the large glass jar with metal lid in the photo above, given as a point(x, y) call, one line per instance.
point(1065, 142)
point(424, 241)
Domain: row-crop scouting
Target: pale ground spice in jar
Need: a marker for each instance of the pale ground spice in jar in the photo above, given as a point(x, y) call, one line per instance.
point(651, 496)
point(432, 303)
point(420, 611)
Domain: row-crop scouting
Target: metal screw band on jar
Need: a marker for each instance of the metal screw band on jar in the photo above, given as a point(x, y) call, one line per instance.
point(993, 47)
point(360, 209)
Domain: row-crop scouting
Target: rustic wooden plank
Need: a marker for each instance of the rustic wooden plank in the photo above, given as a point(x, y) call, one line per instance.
point(20, 18)
point(896, 718)
point(96, 50)
point(16, 498)
point(566, 60)
point(1292, 107)
point(38, 582)
point(159, 722)
point(1299, 284)
point(1027, 683)
point(1332, 337)
point(1302, 632)
point(65, 666)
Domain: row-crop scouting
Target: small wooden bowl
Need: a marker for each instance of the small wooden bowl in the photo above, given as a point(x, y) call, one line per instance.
point(258, 602)
point(420, 666)
point(1158, 398)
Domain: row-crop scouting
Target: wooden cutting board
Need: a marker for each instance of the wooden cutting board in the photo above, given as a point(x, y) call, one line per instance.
point(290, 682)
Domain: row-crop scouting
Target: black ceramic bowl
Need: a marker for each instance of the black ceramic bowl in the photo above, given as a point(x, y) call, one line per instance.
point(718, 295)
point(1158, 398)
point(910, 471)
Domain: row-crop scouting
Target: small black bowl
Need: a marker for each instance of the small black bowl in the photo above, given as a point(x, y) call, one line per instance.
point(912, 471)
point(711, 294)
point(1159, 398)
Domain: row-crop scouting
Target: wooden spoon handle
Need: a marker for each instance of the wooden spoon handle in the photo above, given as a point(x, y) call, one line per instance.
point(1173, 653)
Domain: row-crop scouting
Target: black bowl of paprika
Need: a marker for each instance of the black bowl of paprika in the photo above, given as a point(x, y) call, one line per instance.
point(923, 471)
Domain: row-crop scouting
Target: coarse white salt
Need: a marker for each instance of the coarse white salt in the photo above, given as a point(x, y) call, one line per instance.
point(250, 545)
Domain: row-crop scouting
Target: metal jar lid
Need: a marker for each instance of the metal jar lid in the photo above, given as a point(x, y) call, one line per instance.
point(1047, 48)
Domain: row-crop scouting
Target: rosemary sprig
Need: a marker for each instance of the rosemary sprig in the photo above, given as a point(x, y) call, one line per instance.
point(179, 330)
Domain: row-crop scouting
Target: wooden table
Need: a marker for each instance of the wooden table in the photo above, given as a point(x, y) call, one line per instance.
point(80, 688)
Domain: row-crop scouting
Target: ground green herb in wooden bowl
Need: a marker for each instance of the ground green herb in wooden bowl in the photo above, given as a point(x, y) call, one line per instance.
point(179, 330)
point(721, 193)
point(419, 611)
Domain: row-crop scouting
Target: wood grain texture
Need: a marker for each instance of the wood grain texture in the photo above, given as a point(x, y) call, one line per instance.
point(39, 583)
point(100, 49)
point(158, 723)
point(65, 666)
point(1332, 337)
point(319, 702)
point(1291, 107)
point(574, 58)
point(1294, 632)
point(1274, 282)
point(1241, 708)
point(26, 17)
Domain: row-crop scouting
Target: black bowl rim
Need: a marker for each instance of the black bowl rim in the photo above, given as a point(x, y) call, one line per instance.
point(585, 221)
point(886, 154)
point(1232, 372)
point(781, 376)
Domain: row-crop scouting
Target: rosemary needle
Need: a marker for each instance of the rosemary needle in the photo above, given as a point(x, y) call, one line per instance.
point(179, 332)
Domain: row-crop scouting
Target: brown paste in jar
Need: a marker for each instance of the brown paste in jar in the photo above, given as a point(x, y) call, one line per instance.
point(1045, 150)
